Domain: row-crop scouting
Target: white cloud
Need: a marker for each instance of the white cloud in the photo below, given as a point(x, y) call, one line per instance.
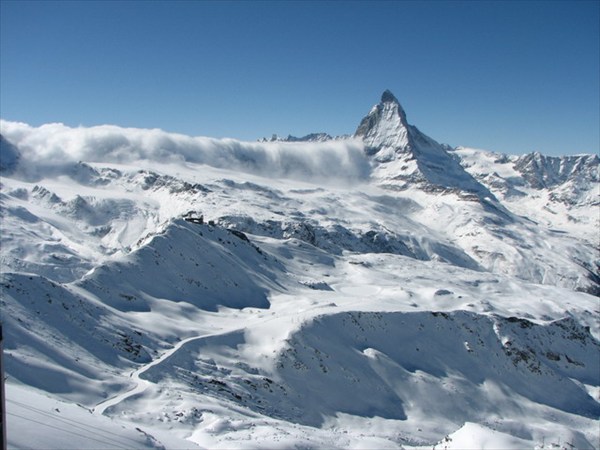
point(57, 144)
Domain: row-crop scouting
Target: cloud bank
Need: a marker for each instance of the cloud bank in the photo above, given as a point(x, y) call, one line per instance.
point(57, 144)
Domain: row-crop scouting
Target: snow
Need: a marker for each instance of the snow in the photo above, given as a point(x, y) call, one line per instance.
point(475, 436)
point(340, 312)
point(555, 192)
point(35, 420)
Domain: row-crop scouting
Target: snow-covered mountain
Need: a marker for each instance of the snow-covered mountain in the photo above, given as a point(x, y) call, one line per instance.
point(378, 291)
point(9, 156)
point(312, 137)
point(405, 156)
point(559, 193)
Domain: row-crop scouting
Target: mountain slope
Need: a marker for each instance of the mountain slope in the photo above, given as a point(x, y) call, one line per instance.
point(407, 156)
point(330, 297)
point(9, 156)
point(560, 193)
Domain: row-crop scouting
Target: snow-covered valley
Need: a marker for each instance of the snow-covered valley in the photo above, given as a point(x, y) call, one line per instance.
point(378, 291)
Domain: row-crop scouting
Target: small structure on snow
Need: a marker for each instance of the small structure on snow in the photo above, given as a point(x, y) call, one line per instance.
point(194, 217)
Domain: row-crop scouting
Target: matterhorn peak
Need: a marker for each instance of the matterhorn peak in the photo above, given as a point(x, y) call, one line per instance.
point(388, 97)
point(390, 100)
point(385, 127)
point(405, 155)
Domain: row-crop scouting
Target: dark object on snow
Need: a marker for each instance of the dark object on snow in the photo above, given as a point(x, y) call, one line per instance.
point(194, 217)
point(239, 234)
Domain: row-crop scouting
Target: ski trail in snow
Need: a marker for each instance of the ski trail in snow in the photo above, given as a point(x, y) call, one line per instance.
point(140, 384)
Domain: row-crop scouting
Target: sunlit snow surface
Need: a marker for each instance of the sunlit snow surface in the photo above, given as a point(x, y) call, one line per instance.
point(340, 313)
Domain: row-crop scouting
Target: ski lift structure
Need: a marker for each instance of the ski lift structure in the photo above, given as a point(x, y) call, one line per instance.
point(194, 217)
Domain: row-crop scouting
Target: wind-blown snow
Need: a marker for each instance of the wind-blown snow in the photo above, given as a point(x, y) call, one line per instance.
point(49, 147)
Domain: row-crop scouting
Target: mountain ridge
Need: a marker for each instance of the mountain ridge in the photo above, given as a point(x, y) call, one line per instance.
point(409, 156)
point(404, 155)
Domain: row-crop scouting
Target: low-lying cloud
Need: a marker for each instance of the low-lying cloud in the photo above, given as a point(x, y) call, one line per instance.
point(57, 144)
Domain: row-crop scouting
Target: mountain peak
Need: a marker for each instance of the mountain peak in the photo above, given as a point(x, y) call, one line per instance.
point(415, 157)
point(385, 125)
point(388, 97)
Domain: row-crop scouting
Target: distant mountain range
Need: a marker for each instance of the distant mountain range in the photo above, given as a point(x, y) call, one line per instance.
point(389, 138)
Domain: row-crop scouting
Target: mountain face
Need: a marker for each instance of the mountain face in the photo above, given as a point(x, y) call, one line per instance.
point(406, 156)
point(548, 172)
point(380, 291)
point(386, 133)
point(556, 192)
point(385, 130)
point(9, 156)
point(534, 171)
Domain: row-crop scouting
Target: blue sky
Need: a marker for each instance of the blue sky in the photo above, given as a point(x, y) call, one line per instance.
point(507, 76)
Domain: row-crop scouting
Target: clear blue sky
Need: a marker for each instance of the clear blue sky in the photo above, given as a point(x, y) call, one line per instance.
point(507, 76)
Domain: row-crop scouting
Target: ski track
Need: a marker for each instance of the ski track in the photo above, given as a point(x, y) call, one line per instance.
point(141, 384)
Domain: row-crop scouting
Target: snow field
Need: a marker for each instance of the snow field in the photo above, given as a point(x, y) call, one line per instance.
point(339, 314)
